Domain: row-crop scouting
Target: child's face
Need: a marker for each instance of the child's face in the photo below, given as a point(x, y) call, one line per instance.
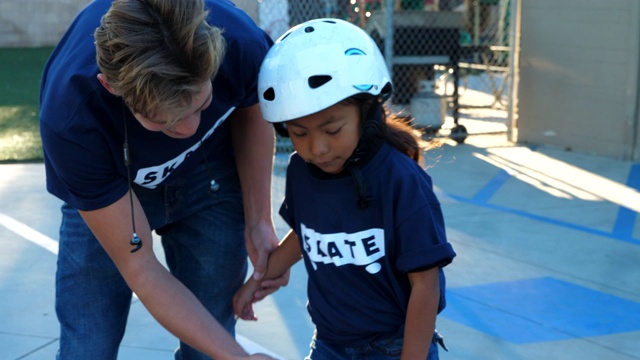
point(327, 138)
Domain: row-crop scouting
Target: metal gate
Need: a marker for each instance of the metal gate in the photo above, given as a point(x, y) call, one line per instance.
point(450, 60)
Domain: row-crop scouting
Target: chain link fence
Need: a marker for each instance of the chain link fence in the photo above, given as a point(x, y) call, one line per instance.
point(449, 59)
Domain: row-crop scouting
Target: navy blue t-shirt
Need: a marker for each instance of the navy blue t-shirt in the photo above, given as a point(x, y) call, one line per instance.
point(82, 124)
point(358, 259)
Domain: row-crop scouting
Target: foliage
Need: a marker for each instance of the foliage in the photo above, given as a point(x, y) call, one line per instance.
point(20, 74)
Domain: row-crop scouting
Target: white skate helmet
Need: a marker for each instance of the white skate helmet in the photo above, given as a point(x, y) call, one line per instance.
point(317, 64)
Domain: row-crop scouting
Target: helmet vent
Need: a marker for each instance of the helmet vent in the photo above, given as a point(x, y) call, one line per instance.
point(269, 94)
point(318, 80)
point(285, 36)
point(354, 51)
point(309, 29)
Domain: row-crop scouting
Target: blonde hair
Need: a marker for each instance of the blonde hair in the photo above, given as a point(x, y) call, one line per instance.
point(156, 54)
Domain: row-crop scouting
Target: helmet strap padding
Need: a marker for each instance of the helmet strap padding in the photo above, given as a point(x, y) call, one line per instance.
point(369, 143)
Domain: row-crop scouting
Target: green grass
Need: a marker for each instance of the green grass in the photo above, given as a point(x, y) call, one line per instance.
point(20, 73)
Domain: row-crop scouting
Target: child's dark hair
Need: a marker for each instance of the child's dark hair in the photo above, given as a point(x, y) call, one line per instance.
point(397, 130)
point(398, 133)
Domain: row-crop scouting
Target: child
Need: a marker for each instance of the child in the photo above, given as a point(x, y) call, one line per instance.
point(363, 212)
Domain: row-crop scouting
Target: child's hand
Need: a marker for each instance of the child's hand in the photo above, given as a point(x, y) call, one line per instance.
point(243, 302)
point(270, 286)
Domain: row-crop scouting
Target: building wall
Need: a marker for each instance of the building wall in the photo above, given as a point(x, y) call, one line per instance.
point(578, 86)
point(34, 23)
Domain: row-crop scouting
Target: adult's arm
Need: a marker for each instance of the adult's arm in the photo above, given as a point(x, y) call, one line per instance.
point(253, 142)
point(166, 298)
point(280, 261)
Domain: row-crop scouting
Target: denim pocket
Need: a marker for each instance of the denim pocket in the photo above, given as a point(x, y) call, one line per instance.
point(389, 347)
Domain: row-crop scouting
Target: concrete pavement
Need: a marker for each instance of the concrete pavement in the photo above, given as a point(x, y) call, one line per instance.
point(548, 248)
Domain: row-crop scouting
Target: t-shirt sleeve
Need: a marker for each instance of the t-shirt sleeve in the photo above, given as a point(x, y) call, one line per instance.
point(81, 172)
point(253, 54)
point(420, 230)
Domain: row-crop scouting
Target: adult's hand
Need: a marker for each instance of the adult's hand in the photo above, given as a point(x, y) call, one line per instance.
point(260, 240)
point(268, 287)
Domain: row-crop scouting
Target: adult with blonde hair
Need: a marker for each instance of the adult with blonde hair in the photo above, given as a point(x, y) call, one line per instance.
point(150, 122)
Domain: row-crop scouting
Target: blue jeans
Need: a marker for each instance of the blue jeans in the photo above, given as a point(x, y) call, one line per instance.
point(203, 239)
point(389, 349)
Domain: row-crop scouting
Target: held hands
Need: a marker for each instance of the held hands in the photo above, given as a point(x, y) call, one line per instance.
point(250, 293)
point(260, 240)
point(243, 300)
point(269, 286)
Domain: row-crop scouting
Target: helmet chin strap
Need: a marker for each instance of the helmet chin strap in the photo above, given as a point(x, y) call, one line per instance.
point(370, 142)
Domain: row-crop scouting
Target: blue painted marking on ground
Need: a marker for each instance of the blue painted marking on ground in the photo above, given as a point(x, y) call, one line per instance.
point(549, 220)
point(626, 219)
point(633, 180)
point(540, 309)
point(492, 187)
point(622, 230)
